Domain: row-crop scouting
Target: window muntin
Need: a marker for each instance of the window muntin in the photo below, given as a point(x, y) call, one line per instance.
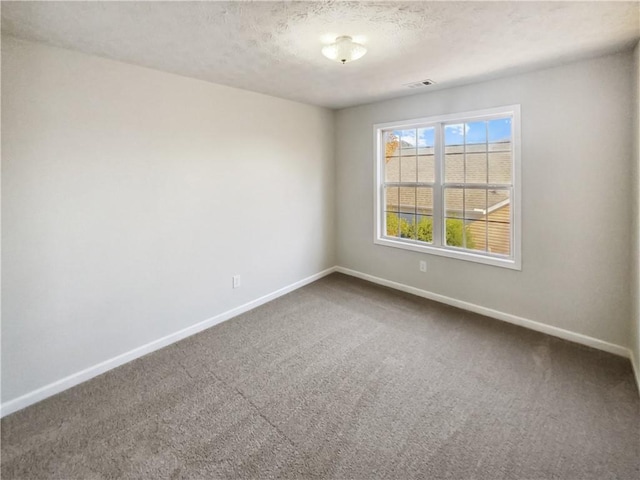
point(448, 186)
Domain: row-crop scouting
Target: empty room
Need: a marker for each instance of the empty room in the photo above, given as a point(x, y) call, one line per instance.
point(324, 239)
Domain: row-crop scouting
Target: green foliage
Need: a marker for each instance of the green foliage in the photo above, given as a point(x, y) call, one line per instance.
point(454, 233)
point(423, 230)
point(393, 224)
point(399, 227)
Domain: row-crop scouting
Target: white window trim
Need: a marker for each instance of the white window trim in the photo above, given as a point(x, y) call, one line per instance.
point(515, 260)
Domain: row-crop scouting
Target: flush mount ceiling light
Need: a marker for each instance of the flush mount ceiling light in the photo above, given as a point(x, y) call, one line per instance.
point(344, 50)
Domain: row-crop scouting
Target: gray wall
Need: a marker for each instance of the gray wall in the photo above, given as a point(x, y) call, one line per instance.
point(635, 220)
point(576, 166)
point(130, 197)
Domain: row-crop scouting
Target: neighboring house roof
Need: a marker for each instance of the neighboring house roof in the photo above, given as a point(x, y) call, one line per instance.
point(411, 164)
point(488, 212)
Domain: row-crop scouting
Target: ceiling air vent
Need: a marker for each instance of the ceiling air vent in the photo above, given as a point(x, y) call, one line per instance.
point(420, 84)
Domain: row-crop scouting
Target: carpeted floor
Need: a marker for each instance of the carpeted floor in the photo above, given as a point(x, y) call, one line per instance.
point(343, 379)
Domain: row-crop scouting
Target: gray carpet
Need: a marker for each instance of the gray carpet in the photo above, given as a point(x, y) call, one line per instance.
point(343, 379)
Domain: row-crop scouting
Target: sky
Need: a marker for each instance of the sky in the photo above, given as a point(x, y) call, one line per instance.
point(475, 132)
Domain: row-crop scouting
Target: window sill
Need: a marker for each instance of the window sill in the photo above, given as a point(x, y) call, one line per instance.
point(513, 264)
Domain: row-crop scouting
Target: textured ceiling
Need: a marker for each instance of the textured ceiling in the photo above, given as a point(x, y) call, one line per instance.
point(274, 47)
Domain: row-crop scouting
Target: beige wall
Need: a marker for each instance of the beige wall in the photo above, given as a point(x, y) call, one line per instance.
point(129, 199)
point(576, 151)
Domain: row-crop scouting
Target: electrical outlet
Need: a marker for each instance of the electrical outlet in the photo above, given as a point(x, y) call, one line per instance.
point(423, 266)
point(236, 281)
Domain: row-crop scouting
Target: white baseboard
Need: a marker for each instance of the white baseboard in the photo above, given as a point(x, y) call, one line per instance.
point(636, 369)
point(506, 317)
point(72, 380)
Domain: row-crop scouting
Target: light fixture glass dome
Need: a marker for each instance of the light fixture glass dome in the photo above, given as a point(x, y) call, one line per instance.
point(344, 50)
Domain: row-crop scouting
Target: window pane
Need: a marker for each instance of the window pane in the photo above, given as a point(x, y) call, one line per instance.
point(499, 134)
point(391, 141)
point(408, 226)
point(391, 201)
point(408, 143)
point(497, 199)
point(475, 148)
point(500, 167)
point(476, 167)
point(476, 234)
point(392, 169)
point(426, 151)
point(476, 133)
point(454, 166)
point(454, 134)
point(499, 238)
point(427, 137)
point(392, 224)
point(424, 200)
point(424, 228)
point(407, 200)
point(426, 168)
point(408, 169)
point(475, 203)
point(453, 198)
point(501, 146)
point(454, 153)
point(454, 235)
point(499, 231)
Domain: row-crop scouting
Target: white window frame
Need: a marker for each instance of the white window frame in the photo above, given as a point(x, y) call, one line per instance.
point(514, 261)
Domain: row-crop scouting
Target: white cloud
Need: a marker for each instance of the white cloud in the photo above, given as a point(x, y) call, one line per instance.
point(409, 136)
point(457, 129)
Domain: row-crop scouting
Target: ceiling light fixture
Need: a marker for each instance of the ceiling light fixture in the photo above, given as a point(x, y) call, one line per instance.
point(344, 50)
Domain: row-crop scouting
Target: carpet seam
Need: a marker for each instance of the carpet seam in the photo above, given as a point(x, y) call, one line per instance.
point(255, 407)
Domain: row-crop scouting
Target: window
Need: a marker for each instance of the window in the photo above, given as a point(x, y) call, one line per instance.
point(450, 186)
